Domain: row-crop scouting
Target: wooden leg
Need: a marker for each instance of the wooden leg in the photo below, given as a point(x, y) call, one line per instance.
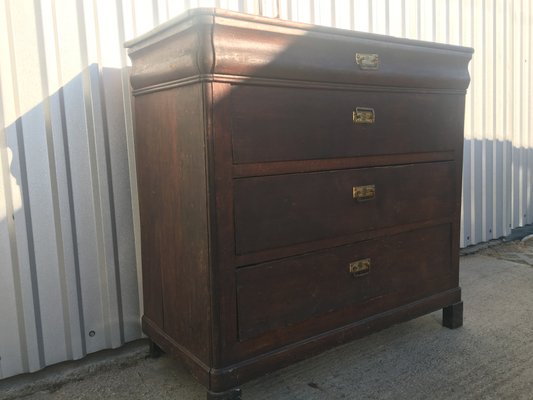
point(154, 351)
point(452, 316)
point(233, 394)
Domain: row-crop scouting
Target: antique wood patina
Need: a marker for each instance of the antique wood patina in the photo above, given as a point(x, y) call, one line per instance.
point(299, 187)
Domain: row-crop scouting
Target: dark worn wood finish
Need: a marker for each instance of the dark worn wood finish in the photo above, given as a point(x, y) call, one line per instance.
point(246, 158)
point(288, 167)
point(224, 269)
point(318, 124)
point(256, 364)
point(302, 248)
point(208, 41)
point(277, 211)
point(279, 294)
point(174, 228)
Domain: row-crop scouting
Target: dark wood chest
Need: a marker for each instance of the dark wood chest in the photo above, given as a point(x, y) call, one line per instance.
point(298, 187)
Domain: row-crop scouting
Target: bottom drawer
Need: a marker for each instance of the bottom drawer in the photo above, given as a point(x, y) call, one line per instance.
point(370, 277)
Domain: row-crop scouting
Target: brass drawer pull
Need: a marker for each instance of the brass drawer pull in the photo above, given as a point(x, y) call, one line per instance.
point(364, 193)
point(367, 61)
point(359, 267)
point(363, 115)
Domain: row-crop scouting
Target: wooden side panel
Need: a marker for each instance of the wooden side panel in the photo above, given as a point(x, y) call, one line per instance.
point(171, 165)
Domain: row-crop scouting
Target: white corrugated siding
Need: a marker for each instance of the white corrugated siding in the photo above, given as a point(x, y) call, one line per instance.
point(69, 252)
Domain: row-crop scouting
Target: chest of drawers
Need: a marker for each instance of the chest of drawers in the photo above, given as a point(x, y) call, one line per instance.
point(299, 187)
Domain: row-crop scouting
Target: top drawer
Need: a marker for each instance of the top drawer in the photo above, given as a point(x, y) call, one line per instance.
point(283, 124)
point(222, 45)
point(283, 50)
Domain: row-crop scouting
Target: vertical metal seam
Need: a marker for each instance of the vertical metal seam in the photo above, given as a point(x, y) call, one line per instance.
point(473, 85)
point(494, 124)
point(93, 162)
point(110, 187)
point(483, 90)
point(506, 193)
point(418, 19)
point(31, 241)
point(333, 13)
point(521, 182)
point(155, 13)
point(515, 159)
point(510, 116)
point(134, 16)
point(130, 148)
point(462, 233)
point(447, 21)
point(404, 22)
point(25, 198)
point(527, 97)
point(54, 187)
point(15, 262)
point(70, 189)
point(516, 156)
point(433, 21)
point(529, 131)
point(352, 16)
point(370, 17)
point(460, 8)
point(387, 17)
point(524, 125)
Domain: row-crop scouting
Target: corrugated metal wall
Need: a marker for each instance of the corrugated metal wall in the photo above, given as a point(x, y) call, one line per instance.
point(69, 254)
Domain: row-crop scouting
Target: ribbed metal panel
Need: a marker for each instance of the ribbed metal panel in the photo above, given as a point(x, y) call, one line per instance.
point(69, 251)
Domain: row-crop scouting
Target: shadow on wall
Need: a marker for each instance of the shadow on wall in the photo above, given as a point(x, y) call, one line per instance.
point(72, 280)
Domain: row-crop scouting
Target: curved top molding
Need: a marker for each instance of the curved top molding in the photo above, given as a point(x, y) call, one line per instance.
point(206, 43)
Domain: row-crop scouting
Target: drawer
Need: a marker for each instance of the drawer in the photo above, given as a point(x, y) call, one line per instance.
point(218, 42)
point(283, 210)
point(401, 269)
point(309, 53)
point(280, 124)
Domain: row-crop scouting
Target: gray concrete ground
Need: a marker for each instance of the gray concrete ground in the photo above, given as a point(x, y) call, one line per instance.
point(490, 357)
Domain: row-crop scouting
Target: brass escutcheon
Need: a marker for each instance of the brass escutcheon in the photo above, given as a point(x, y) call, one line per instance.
point(367, 61)
point(364, 193)
point(363, 115)
point(359, 267)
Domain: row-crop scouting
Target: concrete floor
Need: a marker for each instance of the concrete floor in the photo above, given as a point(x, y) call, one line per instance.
point(490, 357)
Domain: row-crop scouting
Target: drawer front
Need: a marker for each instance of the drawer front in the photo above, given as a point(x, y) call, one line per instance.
point(280, 124)
point(282, 210)
point(330, 55)
point(370, 277)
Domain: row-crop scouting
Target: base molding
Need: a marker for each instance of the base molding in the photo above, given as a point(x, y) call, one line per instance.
point(222, 380)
